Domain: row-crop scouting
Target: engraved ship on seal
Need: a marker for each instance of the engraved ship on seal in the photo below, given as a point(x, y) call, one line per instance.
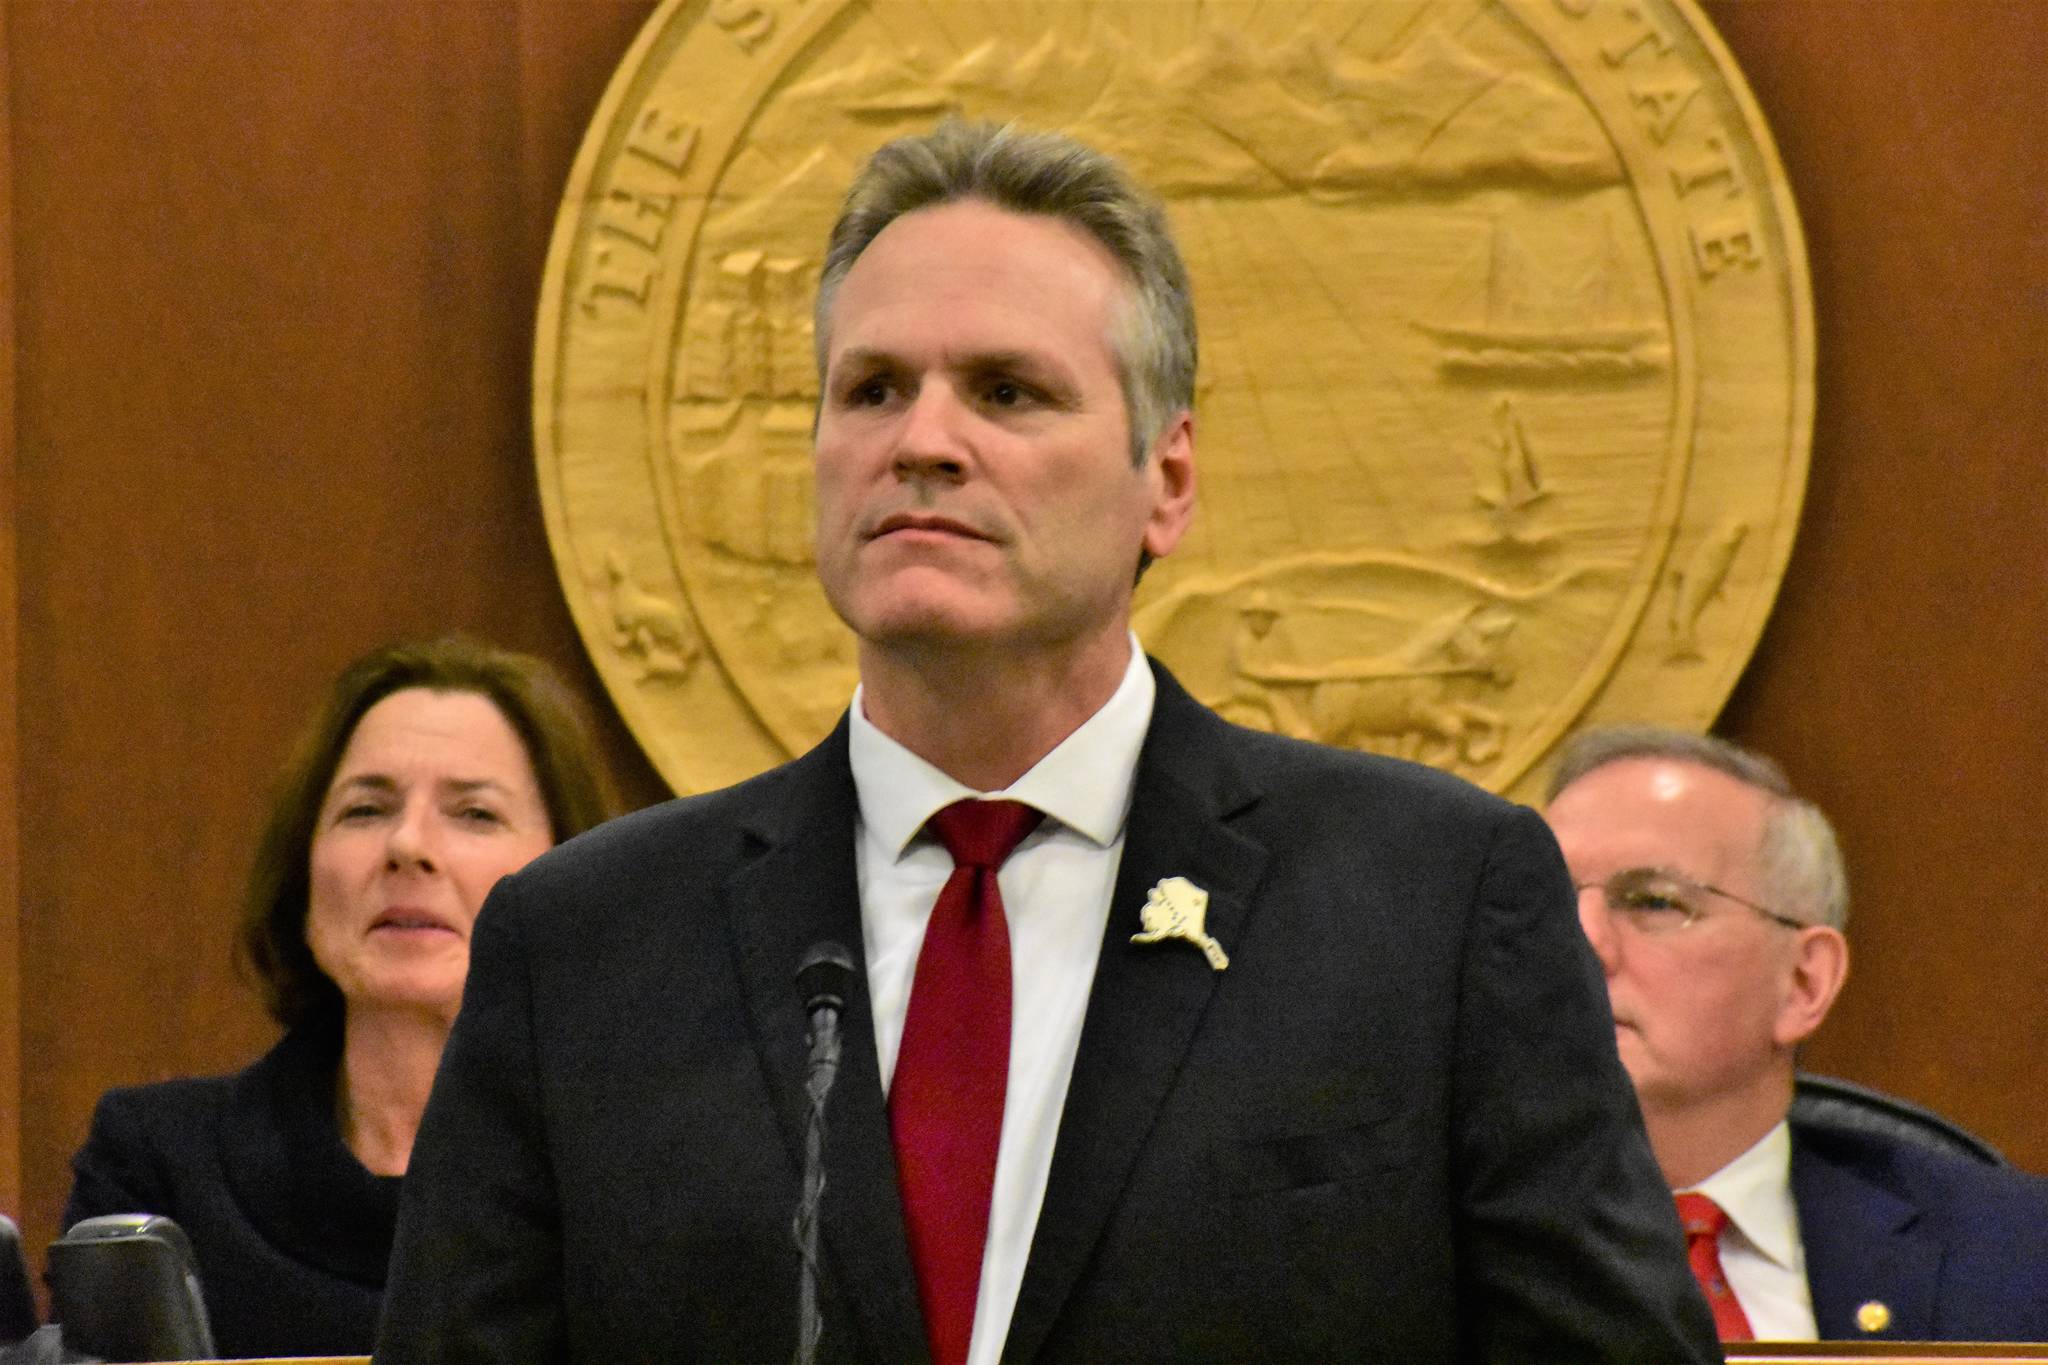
point(1539, 326)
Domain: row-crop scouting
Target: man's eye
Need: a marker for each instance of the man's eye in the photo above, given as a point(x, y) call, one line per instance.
point(868, 393)
point(1644, 899)
point(1008, 393)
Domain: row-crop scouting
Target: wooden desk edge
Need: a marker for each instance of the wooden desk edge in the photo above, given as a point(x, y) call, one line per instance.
point(1744, 1353)
point(1898, 1352)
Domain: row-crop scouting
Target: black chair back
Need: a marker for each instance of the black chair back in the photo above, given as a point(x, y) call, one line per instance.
point(1829, 1102)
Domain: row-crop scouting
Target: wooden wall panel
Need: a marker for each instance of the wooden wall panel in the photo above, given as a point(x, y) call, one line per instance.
point(275, 276)
point(278, 270)
point(10, 829)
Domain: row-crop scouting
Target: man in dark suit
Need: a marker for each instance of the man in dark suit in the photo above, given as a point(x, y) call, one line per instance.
point(1716, 900)
point(1249, 1050)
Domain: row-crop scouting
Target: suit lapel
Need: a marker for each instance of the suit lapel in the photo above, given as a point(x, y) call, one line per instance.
point(1147, 1000)
point(799, 887)
point(1863, 1244)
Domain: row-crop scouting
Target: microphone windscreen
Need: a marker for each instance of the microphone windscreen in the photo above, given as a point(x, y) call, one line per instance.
point(824, 976)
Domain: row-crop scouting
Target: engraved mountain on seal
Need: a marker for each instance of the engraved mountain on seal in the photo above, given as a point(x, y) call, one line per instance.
point(1225, 116)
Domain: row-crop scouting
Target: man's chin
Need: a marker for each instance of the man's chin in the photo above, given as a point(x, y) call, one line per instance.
point(926, 610)
point(925, 626)
point(1629, 1044)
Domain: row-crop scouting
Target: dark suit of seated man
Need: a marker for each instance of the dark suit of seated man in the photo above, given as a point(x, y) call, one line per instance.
point(1250, 1050)
point(1716, 900)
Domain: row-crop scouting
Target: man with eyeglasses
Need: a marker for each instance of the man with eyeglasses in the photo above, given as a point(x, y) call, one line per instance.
point(1715, 899)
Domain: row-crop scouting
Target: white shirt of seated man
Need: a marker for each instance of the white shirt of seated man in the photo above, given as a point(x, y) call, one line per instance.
point(1760, 1248)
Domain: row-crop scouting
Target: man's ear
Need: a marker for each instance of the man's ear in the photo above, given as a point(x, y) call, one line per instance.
point(1819, 966)
point(1172, 470)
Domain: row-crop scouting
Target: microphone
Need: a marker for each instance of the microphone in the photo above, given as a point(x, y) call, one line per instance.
point(823, 980)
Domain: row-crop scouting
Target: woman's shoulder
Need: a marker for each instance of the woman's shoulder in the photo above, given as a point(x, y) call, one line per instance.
point(144, 1144)
point(188, 1102)
point(148, 1133)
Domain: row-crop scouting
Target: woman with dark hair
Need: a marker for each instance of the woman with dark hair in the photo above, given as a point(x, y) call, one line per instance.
point(433, 770)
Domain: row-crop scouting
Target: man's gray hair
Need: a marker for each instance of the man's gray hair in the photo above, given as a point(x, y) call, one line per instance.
point(1799, 861)
point(1051, 175)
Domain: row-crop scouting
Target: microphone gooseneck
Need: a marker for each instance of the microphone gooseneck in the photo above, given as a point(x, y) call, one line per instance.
point(823, 980)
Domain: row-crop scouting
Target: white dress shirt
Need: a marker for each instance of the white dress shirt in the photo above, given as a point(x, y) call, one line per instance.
point(1760, 1248)
point(1056, 889)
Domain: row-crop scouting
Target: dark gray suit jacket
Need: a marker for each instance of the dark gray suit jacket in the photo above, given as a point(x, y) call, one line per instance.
point(1395, 1127)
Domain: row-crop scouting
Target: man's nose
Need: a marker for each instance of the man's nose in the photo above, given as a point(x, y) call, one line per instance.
point(930, 443)
point(1599, 927)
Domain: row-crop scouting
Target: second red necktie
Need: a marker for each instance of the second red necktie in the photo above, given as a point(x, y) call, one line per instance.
point(1703, 1220)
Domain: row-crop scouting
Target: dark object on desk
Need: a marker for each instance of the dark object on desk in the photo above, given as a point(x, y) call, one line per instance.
point(123, 1287)
point(18, 1318)
point(44, 1346)
point(1826, 1102)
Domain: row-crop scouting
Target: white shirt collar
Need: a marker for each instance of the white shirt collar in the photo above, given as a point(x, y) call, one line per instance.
point(1084, 783)
point(1755, 1191)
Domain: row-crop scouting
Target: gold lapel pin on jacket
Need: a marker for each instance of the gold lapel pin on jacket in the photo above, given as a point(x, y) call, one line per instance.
point(1174, 909)
point(1873, 1316)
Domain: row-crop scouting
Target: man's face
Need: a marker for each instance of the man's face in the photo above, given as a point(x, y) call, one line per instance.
point(975, 484)
point(1709, 1010)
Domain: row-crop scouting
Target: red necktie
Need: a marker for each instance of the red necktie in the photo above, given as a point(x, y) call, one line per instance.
point(1703, 1220)
point(946, 1099)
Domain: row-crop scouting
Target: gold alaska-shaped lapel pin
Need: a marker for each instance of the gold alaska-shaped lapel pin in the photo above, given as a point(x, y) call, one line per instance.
point(1175, 908)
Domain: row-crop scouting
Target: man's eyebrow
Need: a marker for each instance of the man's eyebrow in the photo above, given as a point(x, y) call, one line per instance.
point(981, 361)
point(966, 362)
point(863, 355)
point(1656, 870)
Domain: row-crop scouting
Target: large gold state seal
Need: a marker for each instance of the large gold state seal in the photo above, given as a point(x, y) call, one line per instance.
point(1506, 335)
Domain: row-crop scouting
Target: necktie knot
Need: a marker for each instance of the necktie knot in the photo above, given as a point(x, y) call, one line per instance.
point(1703, 1220)
point(983, 833)
point(1701, 1216)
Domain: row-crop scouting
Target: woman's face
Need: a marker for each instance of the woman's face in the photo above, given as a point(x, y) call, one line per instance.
point(434, 800)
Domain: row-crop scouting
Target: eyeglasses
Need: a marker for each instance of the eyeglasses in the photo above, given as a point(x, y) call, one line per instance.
point(1652, 900)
